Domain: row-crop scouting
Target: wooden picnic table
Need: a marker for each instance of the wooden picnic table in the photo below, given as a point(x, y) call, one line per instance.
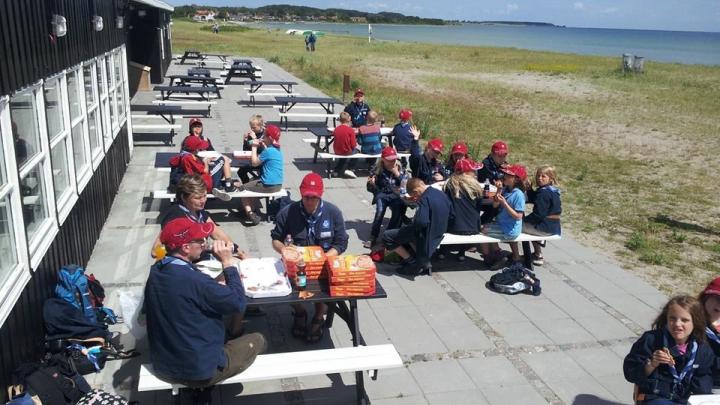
point(199, 72)
point(256, 85)
point(244, 61)
point(327, 134)
point(167, 91)
point(184, 80)
point(241, 70)
point(190, 54)
point(345, 307)
point(288, 102)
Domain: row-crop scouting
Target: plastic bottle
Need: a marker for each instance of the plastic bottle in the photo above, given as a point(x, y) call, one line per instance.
point(300, 275)
point(288, 240)
point(159, 252)
point(486, 188)
point(403, 185)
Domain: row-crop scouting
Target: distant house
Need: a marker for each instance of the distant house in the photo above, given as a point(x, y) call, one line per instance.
point(358, 19)
point(204, 15)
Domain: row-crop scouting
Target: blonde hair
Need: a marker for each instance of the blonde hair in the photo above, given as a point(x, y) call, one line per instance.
point(372, 117)
point(459, 183)
point(257, 119)
point(188, 185)
point(549, 171)
point(345, 117)
point(379, 166)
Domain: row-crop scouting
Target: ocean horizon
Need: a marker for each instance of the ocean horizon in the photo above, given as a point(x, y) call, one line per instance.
point(686, 47)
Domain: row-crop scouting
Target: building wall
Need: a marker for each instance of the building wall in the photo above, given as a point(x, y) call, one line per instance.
point(149, 39)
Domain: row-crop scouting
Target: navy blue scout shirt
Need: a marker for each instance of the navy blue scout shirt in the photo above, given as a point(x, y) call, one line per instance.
point(466, 214)
point(431, 220)
point(185, 311)
point(402, 137)
point(358, 113)
point(421, 167)
point(490, 170)
point(546, 201)
point(327, 223)
point(659, 384)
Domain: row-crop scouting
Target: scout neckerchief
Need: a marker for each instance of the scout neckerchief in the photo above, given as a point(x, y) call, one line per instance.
point(200, 218)
point(710, 333)
point(311, 220)
point(678, 378)
point(174, 260)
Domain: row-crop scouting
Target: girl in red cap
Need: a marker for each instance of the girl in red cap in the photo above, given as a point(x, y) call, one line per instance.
point(385, 182)
point(466, 195)
point(458, 151)
point(710, 300)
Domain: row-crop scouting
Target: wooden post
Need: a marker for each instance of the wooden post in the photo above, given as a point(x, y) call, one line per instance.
point(346, 85)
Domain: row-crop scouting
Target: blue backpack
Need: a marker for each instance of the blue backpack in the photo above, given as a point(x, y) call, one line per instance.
point(72, 286)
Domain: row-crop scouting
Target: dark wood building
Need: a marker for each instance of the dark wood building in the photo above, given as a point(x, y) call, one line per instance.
point(65, 142)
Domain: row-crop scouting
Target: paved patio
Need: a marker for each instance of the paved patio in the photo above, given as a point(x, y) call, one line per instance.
point(461, 343)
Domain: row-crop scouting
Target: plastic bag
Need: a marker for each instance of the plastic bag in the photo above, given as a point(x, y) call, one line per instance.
point(130, 305)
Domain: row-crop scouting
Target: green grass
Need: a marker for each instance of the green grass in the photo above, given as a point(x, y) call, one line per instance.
point(636, 154)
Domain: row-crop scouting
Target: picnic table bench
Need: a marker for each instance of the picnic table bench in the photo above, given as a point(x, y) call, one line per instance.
point(479, 238)
point(331, 157)
point(358, 358)
point(199, 72)
point(183, 80)
point(246, 70)
point(288, 102)
point(190, 54)
point(162, 160)
point(256, 85)
point(168, 113)
point(167, 91)
point(325, 134)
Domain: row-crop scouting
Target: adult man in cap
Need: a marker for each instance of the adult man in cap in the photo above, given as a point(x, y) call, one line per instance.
point(492, 173)
point(311, 221)
point(358, 109)
point(426, 165)
point(270, 162)
point(185, 310)
point(423, 236)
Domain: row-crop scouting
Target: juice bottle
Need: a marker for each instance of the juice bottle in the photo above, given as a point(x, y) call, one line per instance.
point(159, 252)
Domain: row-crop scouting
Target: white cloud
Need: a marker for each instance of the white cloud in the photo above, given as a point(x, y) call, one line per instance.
point(610, 10)
point(578, 5)
point(511, 7)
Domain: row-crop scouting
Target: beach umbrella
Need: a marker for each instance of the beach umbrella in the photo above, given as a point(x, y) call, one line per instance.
point(317, 33)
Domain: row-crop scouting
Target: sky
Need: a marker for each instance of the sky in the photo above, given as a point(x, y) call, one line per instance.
point(674, 15)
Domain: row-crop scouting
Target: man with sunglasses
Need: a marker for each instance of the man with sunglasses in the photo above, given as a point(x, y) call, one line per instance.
point(311, 222)
point(185, 310)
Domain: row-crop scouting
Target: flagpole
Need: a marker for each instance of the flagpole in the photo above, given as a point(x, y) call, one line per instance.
point(369, 33)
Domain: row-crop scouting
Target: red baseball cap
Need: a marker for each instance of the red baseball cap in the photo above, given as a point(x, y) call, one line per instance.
point(467, 165)
point(713, 288)
point(499, 148)
point(459, 147)
point(435, 144)
point(183, 230)
point(193, 143)
point(515, 170)
point(194, 122)
point(405, 114)
point(311, 186)
point(273, 132)
point(389, 153)
point(359, 92)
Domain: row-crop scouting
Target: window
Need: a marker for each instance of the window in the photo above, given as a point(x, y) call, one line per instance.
point(112, 87)
point(25, 130)
point(8, 250)
point(61, 178)
point(91, 102)
point(119, 84)
point(104, 107)
point(53, 108)
point(80, 142)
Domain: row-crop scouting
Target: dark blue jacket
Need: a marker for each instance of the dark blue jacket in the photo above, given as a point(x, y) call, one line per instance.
point(431, 221)
point(546, 201)
point(185, 311)
point(715, 346)
point(329, 226)
point(402, 137)
point(421, 167)
point(490, 171)
point(358, 113)
point(659, 384)
point(466, 214)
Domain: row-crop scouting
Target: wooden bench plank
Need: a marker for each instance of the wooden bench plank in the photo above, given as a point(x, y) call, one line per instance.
point(296, 364)
point(155, 126)
point(453, 239)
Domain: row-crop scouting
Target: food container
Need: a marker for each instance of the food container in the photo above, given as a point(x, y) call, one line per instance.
point(264, 277)
point(351, 275)
point(313, 256)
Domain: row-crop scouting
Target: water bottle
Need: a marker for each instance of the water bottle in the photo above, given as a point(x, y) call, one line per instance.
point(486, 192)
point(300, 275)
point(288, 240)
point(403, 185)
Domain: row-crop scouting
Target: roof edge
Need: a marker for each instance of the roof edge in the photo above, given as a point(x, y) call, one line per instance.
point(156, 4)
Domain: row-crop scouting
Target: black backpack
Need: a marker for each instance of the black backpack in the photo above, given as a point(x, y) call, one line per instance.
point(514, 280)
point(278, 204)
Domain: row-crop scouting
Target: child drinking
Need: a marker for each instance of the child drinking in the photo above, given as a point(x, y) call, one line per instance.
point(508, 223)
point(544, 220)
point(672, 361)
point(710, 300)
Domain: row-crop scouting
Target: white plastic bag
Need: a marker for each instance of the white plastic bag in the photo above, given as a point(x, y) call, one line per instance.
point(130, 305)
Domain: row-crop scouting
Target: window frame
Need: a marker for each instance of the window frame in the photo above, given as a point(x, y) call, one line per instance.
point(66, 201)
point(104, 104)
point(81, 178)
point(19, 274)
point(98, 153)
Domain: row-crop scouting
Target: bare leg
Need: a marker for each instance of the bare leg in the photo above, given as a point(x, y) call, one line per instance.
point(537, 247)
point(402, 252)
point(515, 251)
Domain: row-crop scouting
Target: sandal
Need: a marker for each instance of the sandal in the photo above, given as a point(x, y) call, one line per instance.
point(538, 260)
point(316, 331)
point(299, 327)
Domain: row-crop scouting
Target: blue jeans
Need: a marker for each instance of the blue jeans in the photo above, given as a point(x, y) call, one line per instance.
point(383, 201)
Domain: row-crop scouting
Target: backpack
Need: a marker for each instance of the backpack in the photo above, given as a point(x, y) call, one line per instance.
point(176, 171)
point(72, 287)
point(278, 204)
point(514, 280)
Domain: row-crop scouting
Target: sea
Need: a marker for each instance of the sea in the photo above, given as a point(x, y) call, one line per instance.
point(661, 46)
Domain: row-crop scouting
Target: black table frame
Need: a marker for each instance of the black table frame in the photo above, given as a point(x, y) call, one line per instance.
point(183, 80)
point(190, 54)
point(166, 93)
point(241, 70)
point(198, 72)
point(255, 85)
point(344, 307)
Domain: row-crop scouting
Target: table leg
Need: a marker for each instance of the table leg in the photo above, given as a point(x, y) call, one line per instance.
point(527, 255)
point(362, 397)
point(317, 148)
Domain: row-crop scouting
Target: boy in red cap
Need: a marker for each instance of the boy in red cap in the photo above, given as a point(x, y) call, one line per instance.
point(311, 221)
point(401, 135)
point(491, 173)
point(215, 172)
point(426, 165)
point(387, 178)
point(508, 222)
point(185, 310)
point(270, 164)
point(459, 151)
point(358, 109)
point(344, 144)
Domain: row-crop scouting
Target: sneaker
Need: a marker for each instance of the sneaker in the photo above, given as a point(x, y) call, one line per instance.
point(231, 189)
point(221, 194)
point(253, 217)
point(368, 244)
point(498, 263)
point(350, 174)
point(538, 261)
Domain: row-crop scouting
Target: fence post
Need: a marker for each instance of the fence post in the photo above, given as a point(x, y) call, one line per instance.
point(346, 85)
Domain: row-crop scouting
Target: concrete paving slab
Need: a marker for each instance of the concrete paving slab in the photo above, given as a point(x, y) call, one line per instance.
point(604, 327)
point(562, 331)
point(521, 333)
point(466, 397)
point(392, 383)
point(409, 331)
point(414, 400)
point(441, 376)
point(555, 366)
point(569, 390)
point(518, 394)
point(539, 309)
point(491, 372)
point(597, 361)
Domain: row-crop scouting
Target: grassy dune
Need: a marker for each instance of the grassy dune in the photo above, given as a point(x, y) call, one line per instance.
point(637, 154)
